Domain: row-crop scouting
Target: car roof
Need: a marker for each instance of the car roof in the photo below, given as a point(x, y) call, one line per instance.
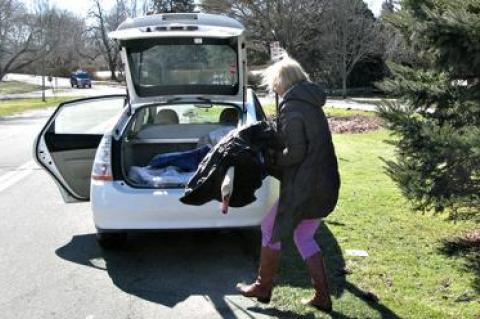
point(167, 19)
point(178, 24)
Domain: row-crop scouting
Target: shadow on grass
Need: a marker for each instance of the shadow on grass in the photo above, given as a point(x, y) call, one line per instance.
point(282, 314)
point(293, 273)
point(467, 248)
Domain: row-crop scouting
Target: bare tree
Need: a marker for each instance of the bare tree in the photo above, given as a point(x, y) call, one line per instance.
point(104, 22)
point(329, 37)
point(294, 23)
point(350, 36)
point(30, 40)
point(389, 6)
point(69, 32)
point(396, 49)
point(20, 37)
point(164, 6)
point(138, 7)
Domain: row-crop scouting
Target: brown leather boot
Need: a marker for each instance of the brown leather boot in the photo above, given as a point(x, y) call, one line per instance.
point(262, 287)
point(316, 268)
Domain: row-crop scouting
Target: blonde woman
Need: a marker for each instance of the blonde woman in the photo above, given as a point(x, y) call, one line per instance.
point(309, 181)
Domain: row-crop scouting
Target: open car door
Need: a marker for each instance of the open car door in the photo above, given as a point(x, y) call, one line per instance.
point(66, 145)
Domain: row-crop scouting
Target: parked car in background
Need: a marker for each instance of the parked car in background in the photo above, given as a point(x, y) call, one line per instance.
point(186, 82)
point(80, 79)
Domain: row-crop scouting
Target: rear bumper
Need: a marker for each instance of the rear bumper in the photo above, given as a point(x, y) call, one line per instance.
point(81, 83)
point(117, 206)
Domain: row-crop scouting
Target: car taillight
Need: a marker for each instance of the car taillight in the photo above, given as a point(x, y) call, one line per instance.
point(102, 166)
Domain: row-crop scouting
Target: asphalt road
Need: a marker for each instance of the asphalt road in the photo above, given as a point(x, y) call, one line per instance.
point(51, 266)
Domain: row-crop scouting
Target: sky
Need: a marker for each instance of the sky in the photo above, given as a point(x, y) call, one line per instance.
point(375, 6)
point(81, 7)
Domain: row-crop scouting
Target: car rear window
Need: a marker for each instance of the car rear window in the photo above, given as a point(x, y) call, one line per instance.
point(184, 115)
point(82, 75)
point(184, 66)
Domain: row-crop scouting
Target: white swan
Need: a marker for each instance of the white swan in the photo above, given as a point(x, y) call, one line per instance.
point(227, 189)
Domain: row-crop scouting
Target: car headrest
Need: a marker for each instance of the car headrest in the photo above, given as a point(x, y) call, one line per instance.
point(166, 117)
point(229, 116)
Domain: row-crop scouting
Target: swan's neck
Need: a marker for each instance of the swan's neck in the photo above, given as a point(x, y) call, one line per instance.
point(227, 185)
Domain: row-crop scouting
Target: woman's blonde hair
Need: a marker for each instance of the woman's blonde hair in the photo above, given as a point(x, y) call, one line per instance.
point(283, 74)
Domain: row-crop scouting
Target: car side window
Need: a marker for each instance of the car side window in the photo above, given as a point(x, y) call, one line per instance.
point(91, 116)
point(141, 119)
point(260, 113)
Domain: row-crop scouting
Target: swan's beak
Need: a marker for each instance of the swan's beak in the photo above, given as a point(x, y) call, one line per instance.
point(225, 204)
point(227, 189)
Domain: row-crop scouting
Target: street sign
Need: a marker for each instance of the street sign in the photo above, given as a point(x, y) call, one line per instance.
point(276, 51)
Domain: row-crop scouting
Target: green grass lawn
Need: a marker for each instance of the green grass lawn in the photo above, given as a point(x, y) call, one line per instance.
point(9, 107)
point(407, 268)
point(207, 115)
point(15, 87)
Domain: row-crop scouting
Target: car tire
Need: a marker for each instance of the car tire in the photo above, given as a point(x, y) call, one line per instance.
point(111, 240)
point(89, 86)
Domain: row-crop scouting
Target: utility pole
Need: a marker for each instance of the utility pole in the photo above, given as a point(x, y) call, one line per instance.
point(43, 57)
point(47, 49)
point(43, 78)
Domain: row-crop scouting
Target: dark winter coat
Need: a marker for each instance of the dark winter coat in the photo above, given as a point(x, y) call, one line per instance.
point(241, 149)
point(310, 180)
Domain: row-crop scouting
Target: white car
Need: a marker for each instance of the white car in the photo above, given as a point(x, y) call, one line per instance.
point(98, 149)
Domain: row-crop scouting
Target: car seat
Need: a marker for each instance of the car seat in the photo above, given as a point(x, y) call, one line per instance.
point(229, 117)
point(167, 117)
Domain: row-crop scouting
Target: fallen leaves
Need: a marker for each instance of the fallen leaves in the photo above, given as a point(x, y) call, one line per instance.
point(354, 124)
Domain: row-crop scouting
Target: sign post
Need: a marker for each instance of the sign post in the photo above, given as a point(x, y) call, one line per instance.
point(275, 51)
point(47, 49)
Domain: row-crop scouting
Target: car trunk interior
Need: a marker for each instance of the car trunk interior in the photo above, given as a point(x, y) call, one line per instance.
point(141, 143)
point(155, 140)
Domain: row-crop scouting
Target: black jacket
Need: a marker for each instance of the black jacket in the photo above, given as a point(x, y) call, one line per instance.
point(310, 180)
point(242, 149)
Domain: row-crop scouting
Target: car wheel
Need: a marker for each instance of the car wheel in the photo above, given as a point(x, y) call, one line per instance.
point(111, 241)
point(72, 85)
point(89, 86)
point(78, 86)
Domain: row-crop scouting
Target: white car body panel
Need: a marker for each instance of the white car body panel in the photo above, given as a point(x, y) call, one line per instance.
point(117, 206)
point(203, 32)
point(176, 25)
point(207, 26)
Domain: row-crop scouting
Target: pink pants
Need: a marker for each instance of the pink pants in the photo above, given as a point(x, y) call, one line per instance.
point(303, 235)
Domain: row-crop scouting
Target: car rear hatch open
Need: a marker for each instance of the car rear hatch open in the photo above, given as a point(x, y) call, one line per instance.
point(171, 57)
